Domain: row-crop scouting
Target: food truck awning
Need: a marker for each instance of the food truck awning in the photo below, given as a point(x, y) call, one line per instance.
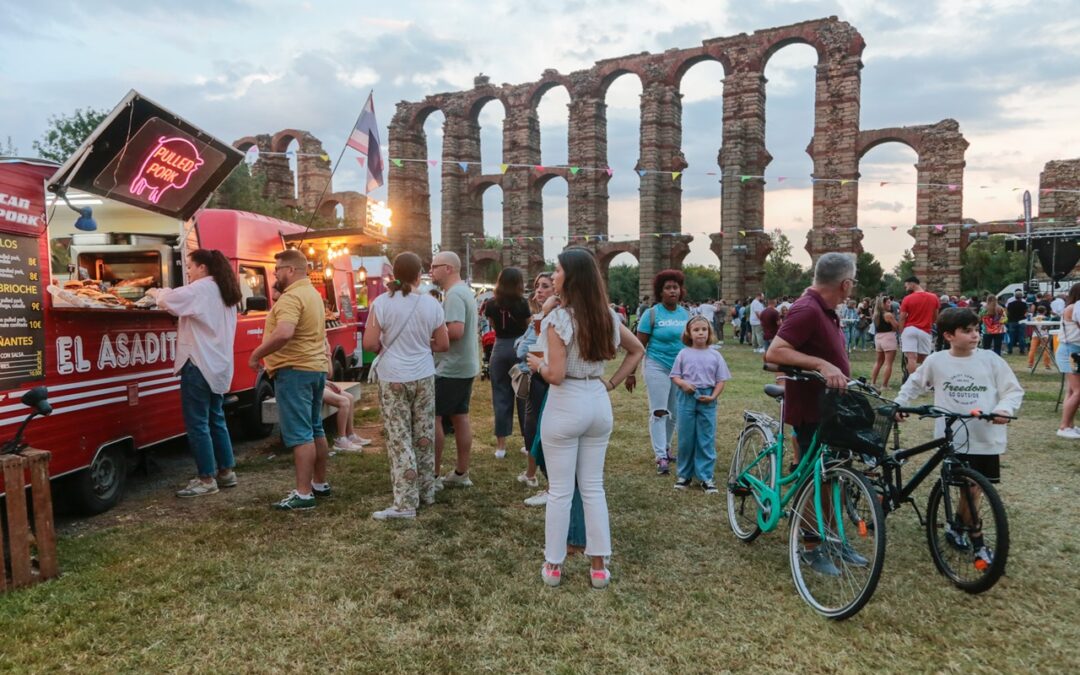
point(353, 237)
point(146, 156)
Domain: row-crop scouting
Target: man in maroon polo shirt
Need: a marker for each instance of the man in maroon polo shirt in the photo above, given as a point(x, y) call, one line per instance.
point(810, 338)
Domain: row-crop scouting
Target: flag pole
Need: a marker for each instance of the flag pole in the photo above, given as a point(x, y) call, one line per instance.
point(333, 170)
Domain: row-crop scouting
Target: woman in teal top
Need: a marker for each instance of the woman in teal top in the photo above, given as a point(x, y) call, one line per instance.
point(660, 329)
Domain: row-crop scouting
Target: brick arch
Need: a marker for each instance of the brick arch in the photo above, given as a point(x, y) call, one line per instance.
point(477, 103)
point(831, 38)
point(246, 143)
point(607, 252)
point(328, 208)
point(280, 141)
point(607, 75)
point(909, 136)
point(542, 179)
point(420, 113)
point(692, 57)
point(549, 81)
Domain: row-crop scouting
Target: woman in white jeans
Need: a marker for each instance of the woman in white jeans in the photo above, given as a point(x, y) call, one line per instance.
point(577, 339)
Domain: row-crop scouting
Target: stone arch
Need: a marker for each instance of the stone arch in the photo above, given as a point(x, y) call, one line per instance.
point(550, 80)
point(246, 143)
point(486, 264)
point(538, 183)
point(328, 209)
point(868, 140)
point(281, 140)
point(478, 189)
point(876, 201)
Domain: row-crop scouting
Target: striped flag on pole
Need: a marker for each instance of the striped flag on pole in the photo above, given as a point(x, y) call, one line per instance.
point(365, 140)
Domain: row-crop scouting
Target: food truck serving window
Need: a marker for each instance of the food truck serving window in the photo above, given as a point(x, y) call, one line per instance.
point(144, 266)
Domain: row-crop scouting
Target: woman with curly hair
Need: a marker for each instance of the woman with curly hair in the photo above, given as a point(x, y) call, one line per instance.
point(660, 329)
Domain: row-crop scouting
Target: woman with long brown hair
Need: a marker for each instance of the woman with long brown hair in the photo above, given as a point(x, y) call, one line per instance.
point(885, 343)
point(1066, 356)
point(577, 339)
point(206, 327)
point(508, 313)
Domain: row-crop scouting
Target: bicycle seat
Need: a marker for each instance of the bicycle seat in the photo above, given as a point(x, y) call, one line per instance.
point(774, 390)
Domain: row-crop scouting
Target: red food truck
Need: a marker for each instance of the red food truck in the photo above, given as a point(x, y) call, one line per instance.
point(90, 335)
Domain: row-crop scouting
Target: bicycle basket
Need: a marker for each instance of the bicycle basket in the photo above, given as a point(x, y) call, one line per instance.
point(857, 421)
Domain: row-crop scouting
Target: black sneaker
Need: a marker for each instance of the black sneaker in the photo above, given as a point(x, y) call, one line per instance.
point(682, 483)
point(324, 492)
point(709, 487)
point(662, 467)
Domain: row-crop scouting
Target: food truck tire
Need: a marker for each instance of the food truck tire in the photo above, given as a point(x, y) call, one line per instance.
point(254, 427)
point(99, 487)
point(339, 374)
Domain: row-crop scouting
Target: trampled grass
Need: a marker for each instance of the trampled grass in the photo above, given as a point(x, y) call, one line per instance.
point(224, 584)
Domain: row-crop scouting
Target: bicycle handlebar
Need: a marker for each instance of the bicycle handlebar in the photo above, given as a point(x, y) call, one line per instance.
point(792, 371)
point(934, 411)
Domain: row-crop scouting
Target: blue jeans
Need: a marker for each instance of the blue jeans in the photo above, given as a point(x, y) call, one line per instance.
point(204, 419)
point(696, 423)
point(1016, 336)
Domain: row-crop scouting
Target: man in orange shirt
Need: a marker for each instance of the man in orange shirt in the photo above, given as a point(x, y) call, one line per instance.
point(918, 312)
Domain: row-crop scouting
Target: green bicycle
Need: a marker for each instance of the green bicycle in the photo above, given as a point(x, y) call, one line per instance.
point(836, 542)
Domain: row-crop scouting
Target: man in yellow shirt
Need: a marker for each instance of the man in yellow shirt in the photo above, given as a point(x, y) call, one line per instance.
point(295, 358)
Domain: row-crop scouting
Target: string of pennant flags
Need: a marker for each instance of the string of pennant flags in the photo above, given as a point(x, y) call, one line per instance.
point(675, 175)
point(935, 228)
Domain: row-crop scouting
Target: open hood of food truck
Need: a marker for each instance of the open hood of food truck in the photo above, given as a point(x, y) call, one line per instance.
point(146, 156)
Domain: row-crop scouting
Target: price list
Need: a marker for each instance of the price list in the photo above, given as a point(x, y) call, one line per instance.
point(22, 327)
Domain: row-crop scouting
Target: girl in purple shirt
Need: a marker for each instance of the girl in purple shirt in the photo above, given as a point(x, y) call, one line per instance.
point(699, 373)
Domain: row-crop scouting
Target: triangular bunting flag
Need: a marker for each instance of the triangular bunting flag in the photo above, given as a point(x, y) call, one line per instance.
point(396, 162)
point(743, 179)
point(953, 187)
point(539, 168)
point(845, 181)
point(675, 175)
point(503, 167)
point(433, 162)
point(893, 227)
point(574, 170)
point(939, 228)
point(464, 166)
point(641, 172)
point(742, 233)
point(1045, 191)
point(609, 171)
point(781, 179)
point(360, 160)
point(324, 157)
point(832, 230)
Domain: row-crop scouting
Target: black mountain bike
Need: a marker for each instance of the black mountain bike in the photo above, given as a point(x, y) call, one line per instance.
point(967, 529)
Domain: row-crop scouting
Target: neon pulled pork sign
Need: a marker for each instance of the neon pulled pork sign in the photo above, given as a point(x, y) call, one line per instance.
point(149, 157)
point(170, 164)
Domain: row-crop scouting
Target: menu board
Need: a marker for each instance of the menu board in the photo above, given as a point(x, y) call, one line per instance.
point(22, 326)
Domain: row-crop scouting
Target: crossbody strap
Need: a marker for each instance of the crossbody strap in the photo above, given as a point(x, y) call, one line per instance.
point(404, 325)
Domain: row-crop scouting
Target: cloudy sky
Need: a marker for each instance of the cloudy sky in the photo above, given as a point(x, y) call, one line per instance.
point(1005, 69)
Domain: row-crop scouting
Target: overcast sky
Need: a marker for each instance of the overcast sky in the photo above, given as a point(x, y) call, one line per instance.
point(1005, 69)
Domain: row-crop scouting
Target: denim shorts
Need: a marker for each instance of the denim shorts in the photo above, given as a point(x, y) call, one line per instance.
point(299, 395)
point(1063, 357)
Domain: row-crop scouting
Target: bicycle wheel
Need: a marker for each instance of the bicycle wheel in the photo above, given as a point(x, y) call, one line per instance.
point(970, 564)
point(837, 570)
point(742, 506)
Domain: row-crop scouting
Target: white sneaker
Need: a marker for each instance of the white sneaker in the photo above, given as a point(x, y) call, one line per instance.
point(359, 440)
point(499, 454)
point(1071, 432)
point(438, 483)
point(452, 479)
point(342, 444)
point(393, 514)
point(523, 477)
point(197, 488)
point(538, 499)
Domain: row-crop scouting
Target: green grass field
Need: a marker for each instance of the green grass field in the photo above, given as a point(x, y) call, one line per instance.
point(225, 584)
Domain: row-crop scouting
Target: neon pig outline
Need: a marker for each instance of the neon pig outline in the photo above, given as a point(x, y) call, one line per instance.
point(140, 184)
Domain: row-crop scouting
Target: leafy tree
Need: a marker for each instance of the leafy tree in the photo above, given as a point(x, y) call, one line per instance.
point(702, 283)
point(622, 283)
point(894, 283)
point(783, 276)
point(67, 132)
point(243, 191)
point(987, 266)
point(869, 273)
point(8, 149)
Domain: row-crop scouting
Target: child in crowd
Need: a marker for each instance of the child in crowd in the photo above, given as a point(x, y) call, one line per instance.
point(700, 373)
point(1037, 339)
point(964, 379)
point(347, 440)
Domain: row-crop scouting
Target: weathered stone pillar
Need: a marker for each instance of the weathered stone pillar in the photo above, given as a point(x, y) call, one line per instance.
point(743, 201)
point(588, 190)
point(1058, 197)
point(523, 206)
point(461, 217)
point(312, 173)
point(409, 191)
point(833, 148)
point(660, 196)
point(279, 177)
point(939, 202)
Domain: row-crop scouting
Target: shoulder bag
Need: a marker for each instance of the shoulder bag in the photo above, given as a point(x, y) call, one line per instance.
point(373, 374)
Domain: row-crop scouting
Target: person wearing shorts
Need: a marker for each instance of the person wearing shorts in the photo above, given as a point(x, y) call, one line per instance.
point(295, 358)
point(918, 312)
point(456, 368)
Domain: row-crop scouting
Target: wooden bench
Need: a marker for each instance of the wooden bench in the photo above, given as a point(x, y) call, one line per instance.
point(269, 406)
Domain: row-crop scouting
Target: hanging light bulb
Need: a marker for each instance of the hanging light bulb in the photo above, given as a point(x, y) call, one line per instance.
point(328, 271)
point(311, 250)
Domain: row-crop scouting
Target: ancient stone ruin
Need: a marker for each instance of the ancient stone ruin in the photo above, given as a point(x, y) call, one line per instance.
point(311, 190)
point(740, 240)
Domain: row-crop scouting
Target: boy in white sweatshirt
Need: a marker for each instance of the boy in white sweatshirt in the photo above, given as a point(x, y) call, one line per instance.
point(964, 379)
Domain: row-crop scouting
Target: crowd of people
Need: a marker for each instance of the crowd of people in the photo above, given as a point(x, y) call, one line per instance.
point(547, 371)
